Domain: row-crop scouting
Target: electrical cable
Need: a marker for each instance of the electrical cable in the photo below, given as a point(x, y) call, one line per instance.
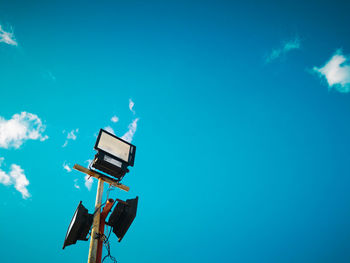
point(108, 248)
point(110, 230)
point(98, 208)
point(93, 214)
point(110, 188)
point(106, 238)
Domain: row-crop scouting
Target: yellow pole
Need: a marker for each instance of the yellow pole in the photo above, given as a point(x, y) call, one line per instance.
point(96, 224)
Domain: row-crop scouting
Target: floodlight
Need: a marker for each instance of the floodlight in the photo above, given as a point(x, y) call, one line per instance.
point(79, 226)
point(122, 216)
point(114, 154)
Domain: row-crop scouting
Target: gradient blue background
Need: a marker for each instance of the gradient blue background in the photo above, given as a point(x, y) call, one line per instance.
point(237, 160)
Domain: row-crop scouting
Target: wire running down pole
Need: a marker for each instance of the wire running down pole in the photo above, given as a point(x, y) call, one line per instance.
point(107, 208)
point(96, 224)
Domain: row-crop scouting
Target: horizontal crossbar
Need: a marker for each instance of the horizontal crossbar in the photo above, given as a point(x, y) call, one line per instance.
point(104, 178)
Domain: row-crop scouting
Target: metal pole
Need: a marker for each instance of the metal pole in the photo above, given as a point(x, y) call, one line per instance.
point(96, 224)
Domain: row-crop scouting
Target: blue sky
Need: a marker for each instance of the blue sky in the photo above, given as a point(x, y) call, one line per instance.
point(239, 112)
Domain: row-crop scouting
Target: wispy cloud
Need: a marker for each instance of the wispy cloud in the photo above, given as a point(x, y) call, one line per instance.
point(128, 136)
point(89, 161)
point(72, 135)
point(109, 129)
point(48, 75)
point(15, 177)
point(114, 119)
point(76, 185)
point(4, 177)
point(20, 180)
point(21, 127)
point(337, 72)
point(7, 37)
point(67, 167)
point(88, 182)
point(284, 49)
point(131, 106)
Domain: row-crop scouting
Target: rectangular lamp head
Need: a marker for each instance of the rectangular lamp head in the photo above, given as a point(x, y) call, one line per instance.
point(115, 147)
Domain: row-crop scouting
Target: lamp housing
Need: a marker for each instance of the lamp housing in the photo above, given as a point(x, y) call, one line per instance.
point(122, 216)
point(79, 226)
point(105, 163)
point(114, 154)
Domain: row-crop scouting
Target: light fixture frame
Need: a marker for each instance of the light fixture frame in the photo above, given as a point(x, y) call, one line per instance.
point(132, 150)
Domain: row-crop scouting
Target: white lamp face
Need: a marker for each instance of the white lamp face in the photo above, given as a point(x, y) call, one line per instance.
point(114, 146)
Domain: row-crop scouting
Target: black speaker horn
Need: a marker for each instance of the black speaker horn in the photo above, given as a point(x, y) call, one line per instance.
point(79, 226)
point(122, 216)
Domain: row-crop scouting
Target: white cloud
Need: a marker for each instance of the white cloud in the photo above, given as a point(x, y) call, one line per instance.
point(7, 37)
point(88, 182)
point(131, 106)
point(337, 72)
point(21, 127)
point(286, 47)
point(15, 177)
point(48, 75)
point(132, 129)
point(76, 184)
point(128, 136)
point(72, 135)
point(20, 180)
point(67, 167)
point(89, 161)
point(109, 129)
point(114, 119)
point(4, 178)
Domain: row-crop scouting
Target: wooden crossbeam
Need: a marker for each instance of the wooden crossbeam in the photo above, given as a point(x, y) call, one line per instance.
point(101, 176)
